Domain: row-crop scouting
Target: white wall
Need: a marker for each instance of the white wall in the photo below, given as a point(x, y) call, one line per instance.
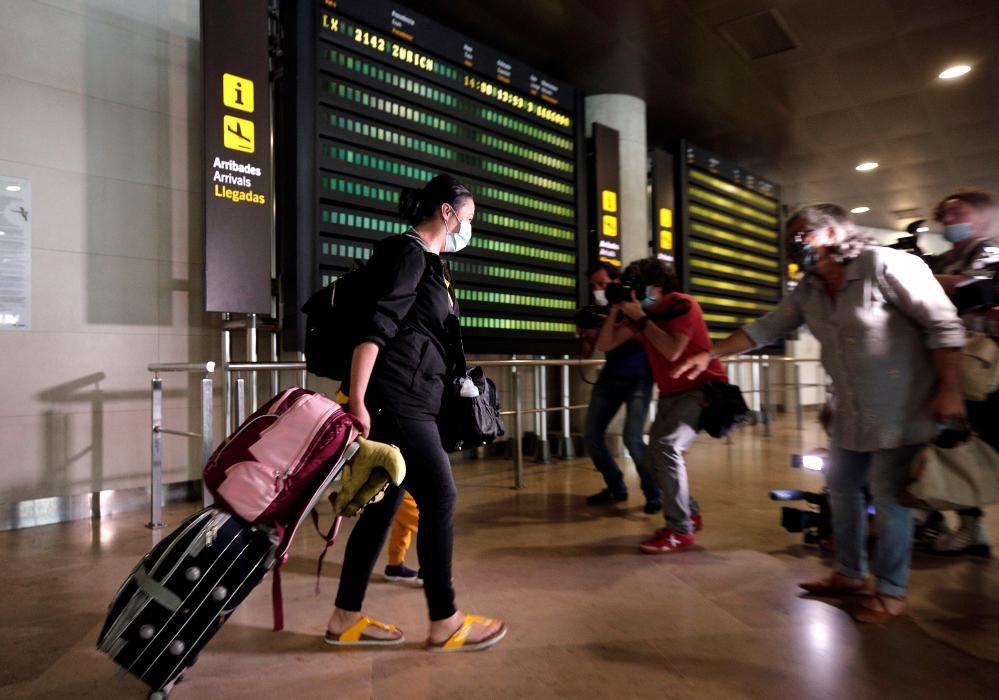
point(101, 107)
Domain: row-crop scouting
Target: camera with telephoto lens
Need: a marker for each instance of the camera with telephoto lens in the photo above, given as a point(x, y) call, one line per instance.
point(814, 522)
point(622, 291)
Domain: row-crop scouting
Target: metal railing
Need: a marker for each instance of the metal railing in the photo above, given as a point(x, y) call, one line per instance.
point(158, 431)
point(760, 389)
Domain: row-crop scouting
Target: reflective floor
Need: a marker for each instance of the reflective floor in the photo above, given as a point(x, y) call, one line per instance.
point(589, 615)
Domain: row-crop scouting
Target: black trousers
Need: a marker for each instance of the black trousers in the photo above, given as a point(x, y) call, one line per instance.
point(430, 481)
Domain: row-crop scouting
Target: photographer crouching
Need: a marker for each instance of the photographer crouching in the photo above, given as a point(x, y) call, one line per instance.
point(671, 328)
point(624, 380)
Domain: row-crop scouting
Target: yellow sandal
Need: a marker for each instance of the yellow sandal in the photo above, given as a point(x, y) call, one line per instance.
point(354, 635)
point(456, 642)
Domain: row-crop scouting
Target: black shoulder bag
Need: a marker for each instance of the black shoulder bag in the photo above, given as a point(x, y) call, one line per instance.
point(470, 412)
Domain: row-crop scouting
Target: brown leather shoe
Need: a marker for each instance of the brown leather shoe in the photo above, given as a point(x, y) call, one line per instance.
point(837, 584)
point(880, 608)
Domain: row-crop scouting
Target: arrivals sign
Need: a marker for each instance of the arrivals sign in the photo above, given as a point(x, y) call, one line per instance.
point(238, 206)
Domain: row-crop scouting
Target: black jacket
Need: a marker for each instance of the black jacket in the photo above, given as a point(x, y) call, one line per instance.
point(414, 323)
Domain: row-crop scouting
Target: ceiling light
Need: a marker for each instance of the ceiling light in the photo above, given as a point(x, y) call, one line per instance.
point(922, 229)
point(870, 165)
point(13, 188)
point(860, 210)
point(955, 72)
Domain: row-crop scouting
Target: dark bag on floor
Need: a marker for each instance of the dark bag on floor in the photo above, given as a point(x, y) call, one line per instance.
point(724, 409)
point(182, 592)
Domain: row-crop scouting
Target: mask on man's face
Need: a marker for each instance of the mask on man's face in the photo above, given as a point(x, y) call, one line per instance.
point(955, 233)
point(600, 296)
point(649, 299)
point(805, 254)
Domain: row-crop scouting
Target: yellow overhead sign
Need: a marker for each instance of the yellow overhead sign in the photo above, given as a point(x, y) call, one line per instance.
point(237, 92)
point(608, 200)
point(610, 225)
point(237, 134)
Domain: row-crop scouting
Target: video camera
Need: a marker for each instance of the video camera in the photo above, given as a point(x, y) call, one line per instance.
point(815, 522)
point(974, 295)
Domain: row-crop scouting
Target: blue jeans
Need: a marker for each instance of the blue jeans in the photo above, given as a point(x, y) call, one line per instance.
point(887, 472)
point(673, 432)
point(608, 395)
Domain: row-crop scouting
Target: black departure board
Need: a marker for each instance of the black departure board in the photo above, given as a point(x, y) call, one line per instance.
point(730, 244)
point(378, 98)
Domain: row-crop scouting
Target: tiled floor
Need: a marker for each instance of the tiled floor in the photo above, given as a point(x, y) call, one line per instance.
point(590, 617)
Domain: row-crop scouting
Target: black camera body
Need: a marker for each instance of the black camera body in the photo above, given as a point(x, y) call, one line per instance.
point(622, 290)
point(975, 295)
point(591, 316)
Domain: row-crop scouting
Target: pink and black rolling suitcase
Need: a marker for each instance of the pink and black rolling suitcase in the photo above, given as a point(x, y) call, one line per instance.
point(267, 478)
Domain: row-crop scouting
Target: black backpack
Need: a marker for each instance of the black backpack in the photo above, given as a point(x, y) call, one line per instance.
point(333, 316)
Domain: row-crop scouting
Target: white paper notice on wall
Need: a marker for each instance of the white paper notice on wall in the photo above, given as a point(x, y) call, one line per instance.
point(15, 253)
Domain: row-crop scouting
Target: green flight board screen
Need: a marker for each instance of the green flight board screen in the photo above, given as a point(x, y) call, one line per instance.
point(388, 99)
point(731, 241)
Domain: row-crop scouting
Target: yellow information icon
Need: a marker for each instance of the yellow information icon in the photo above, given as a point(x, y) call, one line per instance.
point(237, 92)
point(237, 134)
point(609, 225)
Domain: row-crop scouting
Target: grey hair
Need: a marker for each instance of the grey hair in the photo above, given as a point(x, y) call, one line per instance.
point(821, 216)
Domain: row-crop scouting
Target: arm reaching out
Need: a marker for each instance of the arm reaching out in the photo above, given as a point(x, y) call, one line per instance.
point(736, 344)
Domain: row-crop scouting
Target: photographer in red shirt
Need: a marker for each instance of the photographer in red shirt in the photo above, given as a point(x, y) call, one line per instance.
point(670, 325)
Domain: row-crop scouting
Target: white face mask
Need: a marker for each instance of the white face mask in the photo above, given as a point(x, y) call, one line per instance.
point(600, 296)
point(458, 239)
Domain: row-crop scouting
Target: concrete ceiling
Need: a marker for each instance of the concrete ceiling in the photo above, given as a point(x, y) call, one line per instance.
point(860, 85)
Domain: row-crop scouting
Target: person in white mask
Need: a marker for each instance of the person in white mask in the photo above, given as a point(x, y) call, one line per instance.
point(625, 380)
point(967, 217)
point(405, 352)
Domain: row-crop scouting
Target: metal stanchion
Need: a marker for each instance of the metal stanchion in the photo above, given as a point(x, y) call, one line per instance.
point(227, 425)
point(765, 395)
point(275, 379)
point(240, 400)
point(156, 454)
point(566, 450)
point(799, 408)
point(251, 356)
point(303, 377)
point(518, 432)
point(207, 433)
point(543, 451)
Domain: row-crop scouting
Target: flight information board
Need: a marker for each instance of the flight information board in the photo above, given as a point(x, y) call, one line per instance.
point(731, 240)
point(395, 99)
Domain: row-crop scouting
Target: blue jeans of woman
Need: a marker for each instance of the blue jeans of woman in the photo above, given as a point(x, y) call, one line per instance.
point(609, 395)
point(886, 472)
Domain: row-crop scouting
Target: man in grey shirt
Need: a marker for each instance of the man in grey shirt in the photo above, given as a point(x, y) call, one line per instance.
point(890, 341)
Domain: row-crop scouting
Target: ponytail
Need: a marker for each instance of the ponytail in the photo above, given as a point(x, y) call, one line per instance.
point(419, 205)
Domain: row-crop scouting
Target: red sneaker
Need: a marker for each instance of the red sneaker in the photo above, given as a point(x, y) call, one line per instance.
point(666, 540)
point(696, 520)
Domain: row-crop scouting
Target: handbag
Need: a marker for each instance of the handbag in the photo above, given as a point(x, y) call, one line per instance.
point(965, 475)
point(470, 415)
point(724, 409)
